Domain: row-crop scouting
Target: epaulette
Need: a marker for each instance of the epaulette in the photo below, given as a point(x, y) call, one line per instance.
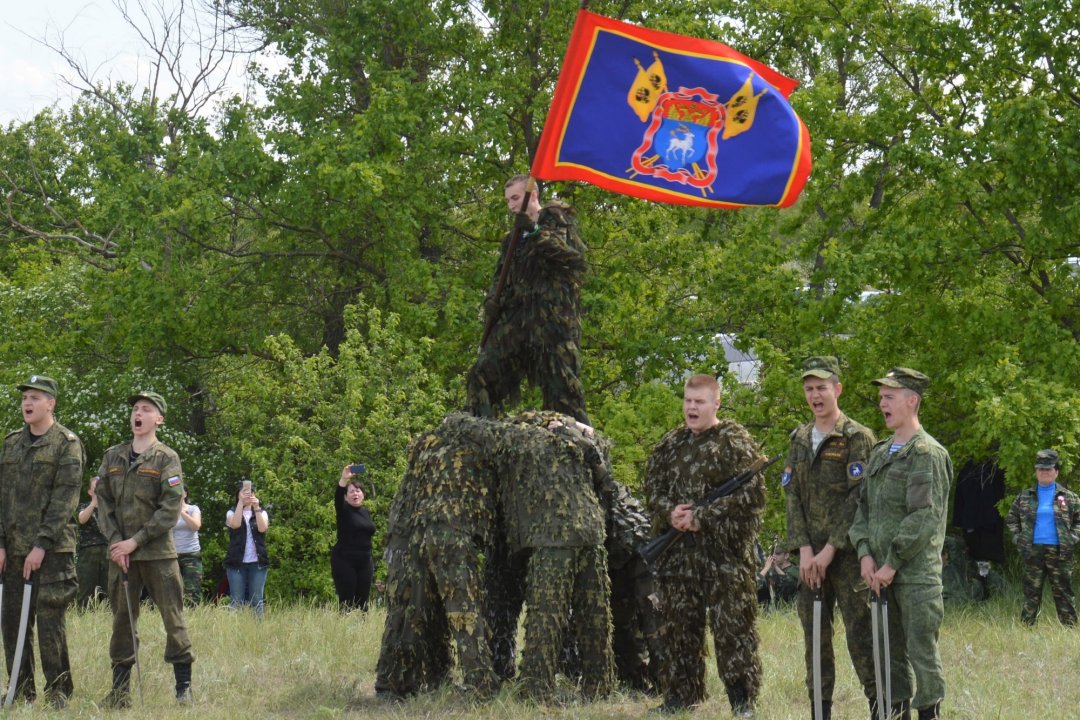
point(851, 428)
point(13, 432)
point(72, 437)
point(793, 433)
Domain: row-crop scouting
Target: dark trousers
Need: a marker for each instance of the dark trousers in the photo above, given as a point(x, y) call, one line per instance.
point(352, 575)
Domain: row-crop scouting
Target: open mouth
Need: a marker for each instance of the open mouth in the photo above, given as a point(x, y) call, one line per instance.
point(138, 423)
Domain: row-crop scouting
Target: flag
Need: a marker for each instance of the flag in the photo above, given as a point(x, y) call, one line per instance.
point(673, 119)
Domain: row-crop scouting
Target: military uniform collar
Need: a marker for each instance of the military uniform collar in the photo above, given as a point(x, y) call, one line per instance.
point(31, 439)
point(919, 436)
point(143, 454)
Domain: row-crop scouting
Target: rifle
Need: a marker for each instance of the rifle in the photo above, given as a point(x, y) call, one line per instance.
point(656, 547)
point(504, 272)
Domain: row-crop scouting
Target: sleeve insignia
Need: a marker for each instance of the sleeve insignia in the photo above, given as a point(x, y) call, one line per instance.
point(855, 470)
point(174, 481)
point(785, 477)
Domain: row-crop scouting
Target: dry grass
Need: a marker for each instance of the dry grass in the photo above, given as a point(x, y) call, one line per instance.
point(308, 662)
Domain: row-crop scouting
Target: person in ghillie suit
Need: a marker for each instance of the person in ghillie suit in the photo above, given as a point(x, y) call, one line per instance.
point(708, 575)
point(536, 326)
point(440, 524)
point(1045, 524)
point(567, 587)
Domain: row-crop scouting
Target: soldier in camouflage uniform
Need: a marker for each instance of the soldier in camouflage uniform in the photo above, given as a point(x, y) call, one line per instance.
point(41, 469)
point(1045, 524)
point(709, 574)
point(91, 552)
point(779, 580)
point(537, 328)
point(448, 498)
point(633, 610)
point(545, 469)
point(825, 466)
point(140, 494)
point(898, 532)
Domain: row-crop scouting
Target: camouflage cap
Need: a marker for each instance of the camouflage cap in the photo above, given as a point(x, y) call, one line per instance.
point(152, 397)
point(820, 366)
point(902, 377)
point(1047, 459)
point(42, 383)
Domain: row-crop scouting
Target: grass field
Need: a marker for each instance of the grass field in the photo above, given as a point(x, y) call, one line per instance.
point(306, 662)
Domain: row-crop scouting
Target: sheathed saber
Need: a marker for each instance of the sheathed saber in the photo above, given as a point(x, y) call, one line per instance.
point(134, 636)
point(881, 707)
point(819, 713)
point(885, 643)
point(20, 645)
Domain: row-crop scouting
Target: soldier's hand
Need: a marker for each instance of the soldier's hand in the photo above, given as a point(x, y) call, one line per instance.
point(33, 562)
point(868, 568)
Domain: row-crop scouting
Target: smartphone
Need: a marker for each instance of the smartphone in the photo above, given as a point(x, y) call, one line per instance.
point(358, 469)
point(246, 486)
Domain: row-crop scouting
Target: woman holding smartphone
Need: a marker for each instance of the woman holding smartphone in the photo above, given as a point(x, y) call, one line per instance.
point(351, 564)
point(246, 561)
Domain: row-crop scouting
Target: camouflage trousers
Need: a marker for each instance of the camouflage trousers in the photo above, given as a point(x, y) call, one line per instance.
point(567, 585)
point(728, 603)
point(409, 663)
point(915, 614)
point(161, 578)
point(845, 589)
point(92, 568)
point(191, 572)
point(1042, 563)
point(53, 590)
point(551, 364)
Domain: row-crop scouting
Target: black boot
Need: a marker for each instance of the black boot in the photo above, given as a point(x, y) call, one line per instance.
point(182, 675)
point(901, 711)
point(933, 712)
point(120, 695)
point(740, 700)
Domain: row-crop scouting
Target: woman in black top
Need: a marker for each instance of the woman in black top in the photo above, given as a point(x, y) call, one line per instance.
point(350, 559)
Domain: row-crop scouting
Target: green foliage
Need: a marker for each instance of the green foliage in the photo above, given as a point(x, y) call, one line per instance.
point(298, 419)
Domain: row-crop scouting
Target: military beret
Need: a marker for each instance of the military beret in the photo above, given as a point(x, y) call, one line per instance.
point(1047, 459)
point(152, 397)
point(902, 377)
point(41, 382)
point(820, 366)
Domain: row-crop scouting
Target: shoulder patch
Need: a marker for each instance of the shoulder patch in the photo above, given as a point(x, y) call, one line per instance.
point(174, 481)
point(785, 477)
point(855, 470)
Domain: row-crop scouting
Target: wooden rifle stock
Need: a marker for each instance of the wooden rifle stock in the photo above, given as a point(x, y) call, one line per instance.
point(656, 547)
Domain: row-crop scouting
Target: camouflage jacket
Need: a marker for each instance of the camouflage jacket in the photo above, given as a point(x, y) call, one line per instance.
point(543, 288)
point(903, 504)
point(683, 467)
point(823, 487)
point(141, 501)
point(1021, 518)
point(40, 481)
point(547, 492)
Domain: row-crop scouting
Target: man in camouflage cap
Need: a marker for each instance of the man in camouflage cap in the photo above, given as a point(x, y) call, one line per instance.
point(536, 331)
point(445, 506)
point(825, 466)
point(1045, 524)
point(898, 532)
point(709, 574)
point(41, 469)
point(140, 494)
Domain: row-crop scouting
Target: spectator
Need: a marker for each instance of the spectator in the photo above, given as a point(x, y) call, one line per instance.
point(350, 559)
point(91, 553)
point(188, 551)
point(246, 561)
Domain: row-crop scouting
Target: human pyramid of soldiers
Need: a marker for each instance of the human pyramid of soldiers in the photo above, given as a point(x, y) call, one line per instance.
point(499, 511)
